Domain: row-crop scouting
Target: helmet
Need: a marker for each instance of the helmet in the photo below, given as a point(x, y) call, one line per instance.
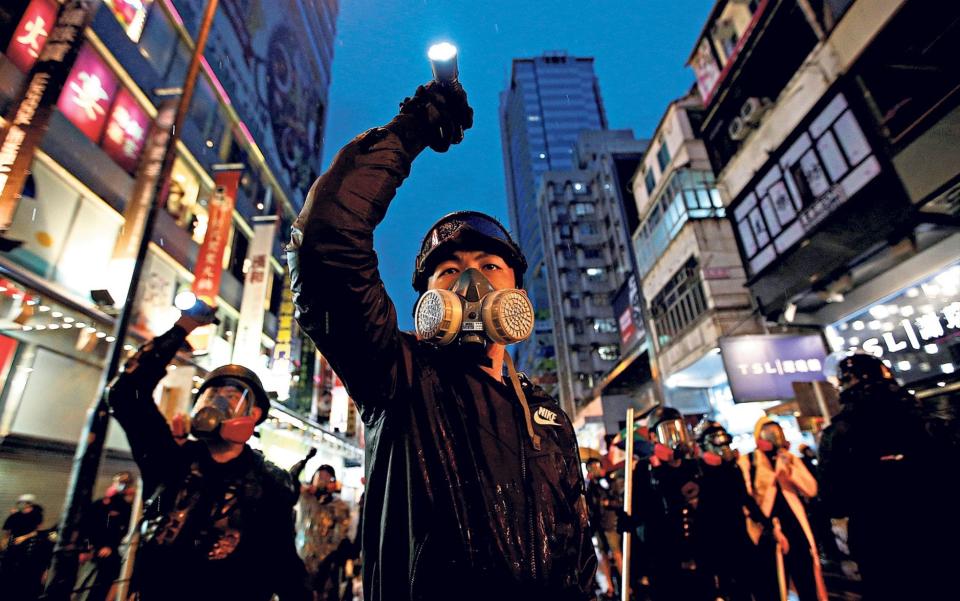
point(706, 427)
point(466, 230)
point(244, 375)
point(864, 370)
point(662, 413)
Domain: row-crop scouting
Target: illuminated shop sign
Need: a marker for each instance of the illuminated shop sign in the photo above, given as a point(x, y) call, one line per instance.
point(132, 14)
point(807, 181)
point(31, 34)
point(126, 131)
point(916, 332)
point(764, 368)
point(88, 92)
point(626, 308)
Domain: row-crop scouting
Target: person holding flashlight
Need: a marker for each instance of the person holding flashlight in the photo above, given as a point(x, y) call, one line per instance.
point(474, 489)
point(217, 516)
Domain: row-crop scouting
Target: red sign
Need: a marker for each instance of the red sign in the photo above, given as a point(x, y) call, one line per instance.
point(32, 33)
point(126, 131)
point(131, 14)
point(88, 92)
point(207, 271)
point(29, 117)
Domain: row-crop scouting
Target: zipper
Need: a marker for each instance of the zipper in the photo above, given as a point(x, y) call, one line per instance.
point(526, 488)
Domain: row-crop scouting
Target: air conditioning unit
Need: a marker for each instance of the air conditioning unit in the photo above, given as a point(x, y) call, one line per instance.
point(738, 130)
point(753, 110)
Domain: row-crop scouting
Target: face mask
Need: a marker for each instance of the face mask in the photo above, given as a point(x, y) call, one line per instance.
point(472, 313)
point(772, 439)
point(717, 445)
point(224, 412)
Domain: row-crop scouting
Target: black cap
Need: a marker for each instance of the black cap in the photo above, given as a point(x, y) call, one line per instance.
point(245, 375)
point(469, 230)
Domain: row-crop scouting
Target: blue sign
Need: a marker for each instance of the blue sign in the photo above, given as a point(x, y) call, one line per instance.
point(763, 368)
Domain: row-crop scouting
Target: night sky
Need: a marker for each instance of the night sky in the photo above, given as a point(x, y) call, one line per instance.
point(640, 48)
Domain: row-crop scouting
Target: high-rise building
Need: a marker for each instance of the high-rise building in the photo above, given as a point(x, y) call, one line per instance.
point(551, 99)
point(259, 102)
point(588, 257)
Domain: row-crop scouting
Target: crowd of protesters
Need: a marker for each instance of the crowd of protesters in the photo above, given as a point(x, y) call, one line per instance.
point(708, 522)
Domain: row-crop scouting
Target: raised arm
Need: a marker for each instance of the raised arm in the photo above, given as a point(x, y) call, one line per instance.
point(336, 283)
point(131, 403)
point(130, 397)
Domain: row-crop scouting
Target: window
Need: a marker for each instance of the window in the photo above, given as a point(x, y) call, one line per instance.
point(578, 187)
point(663, 155)
point(574, 301)
point(238, 253)
point(680, 303)
point(596, 274)
point(583, 208)
point(578, 326)
point(650, 180)
point(609, 352)
point(606, 325)
point(593, 252)
point(588, 228)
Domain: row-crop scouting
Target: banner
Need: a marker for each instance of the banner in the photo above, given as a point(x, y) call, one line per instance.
point(246, 347)
point(29, 118)
point(209, 265)
point(135, 213)
point(764, 367)
point(283, 349)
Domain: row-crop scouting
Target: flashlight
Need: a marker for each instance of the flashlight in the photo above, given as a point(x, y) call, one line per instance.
point(185, 300)
point(443, 61)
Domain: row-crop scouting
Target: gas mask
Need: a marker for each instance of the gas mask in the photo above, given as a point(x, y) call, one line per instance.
point(472, 313)
point(672, 435)
point(716, 447)
point(224, 411)
point(771, 438)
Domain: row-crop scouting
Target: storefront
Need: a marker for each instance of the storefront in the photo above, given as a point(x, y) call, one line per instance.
point(915, 330)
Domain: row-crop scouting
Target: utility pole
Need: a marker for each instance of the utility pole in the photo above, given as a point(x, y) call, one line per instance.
point(86, 460)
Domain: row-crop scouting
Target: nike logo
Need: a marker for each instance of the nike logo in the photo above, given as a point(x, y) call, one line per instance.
point(545, 417)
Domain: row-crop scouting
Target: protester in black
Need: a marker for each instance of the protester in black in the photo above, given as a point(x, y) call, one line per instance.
point(104, 525)
point(25, 551)
point(474, 489)
point(882, 466)
point(218, 517)
point(725, 549)
point(668, 510)
point(604, 505)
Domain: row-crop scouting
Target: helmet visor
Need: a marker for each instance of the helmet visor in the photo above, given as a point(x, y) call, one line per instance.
point(672, 433)
point(230, 398)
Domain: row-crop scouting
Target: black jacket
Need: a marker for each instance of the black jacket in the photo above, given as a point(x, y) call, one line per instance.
point(454, 509)
point(210, 530)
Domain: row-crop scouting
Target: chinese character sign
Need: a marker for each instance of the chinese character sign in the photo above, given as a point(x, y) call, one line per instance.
point(32, 33)
point(246, 348)
point(132, 14)
point(763, 368)
point(916, 332)
point(126, 131)
point(29, 116)
point(88, 93)
point(209, 265)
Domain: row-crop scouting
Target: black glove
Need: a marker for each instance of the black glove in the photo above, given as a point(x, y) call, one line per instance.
point(441, 113)
point(311, 454)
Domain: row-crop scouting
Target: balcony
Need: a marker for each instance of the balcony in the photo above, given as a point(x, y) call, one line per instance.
point(766, 55)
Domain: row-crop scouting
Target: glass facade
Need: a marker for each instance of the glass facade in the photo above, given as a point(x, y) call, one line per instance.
point(551, 99)
point(689, 194)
